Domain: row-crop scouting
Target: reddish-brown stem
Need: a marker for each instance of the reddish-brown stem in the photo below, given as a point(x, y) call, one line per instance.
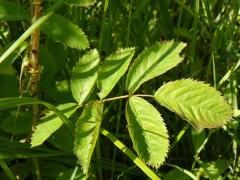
point(34, 71)
point(34, 64)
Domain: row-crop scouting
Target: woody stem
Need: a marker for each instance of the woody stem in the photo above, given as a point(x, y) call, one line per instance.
point(34, 65)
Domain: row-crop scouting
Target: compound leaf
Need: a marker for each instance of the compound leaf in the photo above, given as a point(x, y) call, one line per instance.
point(87, 131)
point(198, 103)
point(153, 62)
point(50, 123)
point(147, 131)
point(112, 69)
point(63, 30)
point(12, 12)
point(84, 76)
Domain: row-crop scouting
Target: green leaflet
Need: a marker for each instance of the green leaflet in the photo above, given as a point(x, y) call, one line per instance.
point(51, 123)
point(147, 131)
point(112, 69)
point(87, 131)
point(81, 2)
point(84, 76)
point(153, 62)
point(12, 12)
point(63, 30)
point(198, 103)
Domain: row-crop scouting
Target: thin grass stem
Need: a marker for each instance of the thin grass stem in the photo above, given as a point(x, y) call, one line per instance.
point(7, 170)
point(196, 156)
point(98, 157)
point(117, 129)
point(179, 136)
point(74, 173)
point(36, 168)
point(31, 29)
point(130, 154)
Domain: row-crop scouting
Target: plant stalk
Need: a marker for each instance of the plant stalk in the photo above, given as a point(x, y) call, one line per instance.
point(34, 63)
point(34, 71)
point(31, 29)
point(179, 136)
point(196, 156)
point(127, 96)
point(115, 98)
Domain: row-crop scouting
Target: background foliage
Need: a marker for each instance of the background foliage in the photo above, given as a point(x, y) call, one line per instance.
point(209, 28)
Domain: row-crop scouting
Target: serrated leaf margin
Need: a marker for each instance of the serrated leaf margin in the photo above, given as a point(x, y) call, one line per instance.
point(148, 148)
point(195, 102)
point(122, 68)
point(94, 109)
point(152, 62)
